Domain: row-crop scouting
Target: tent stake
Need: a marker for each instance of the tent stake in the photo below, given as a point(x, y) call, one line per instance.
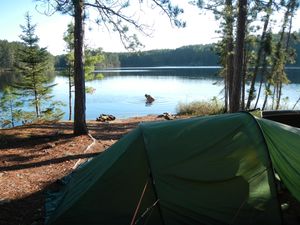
point(139, 203)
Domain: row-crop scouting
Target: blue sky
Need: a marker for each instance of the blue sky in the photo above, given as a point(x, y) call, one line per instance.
point(50, 29)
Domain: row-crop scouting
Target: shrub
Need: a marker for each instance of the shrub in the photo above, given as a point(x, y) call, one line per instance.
point(200, 108)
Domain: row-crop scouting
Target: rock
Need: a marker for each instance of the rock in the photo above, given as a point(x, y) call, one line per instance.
point(167, 116)
point(48, 145)
point(105, 118)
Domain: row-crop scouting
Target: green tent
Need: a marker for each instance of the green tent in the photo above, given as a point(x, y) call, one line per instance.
point(206, 170)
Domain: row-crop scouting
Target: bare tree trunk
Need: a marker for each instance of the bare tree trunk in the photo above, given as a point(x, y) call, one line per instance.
point(229, 51)
point(238, 57)
point(259, 56)
point(267, 87)
point(37, 111)
point(279, 93)
point(244, 71)
point(261, 80)
point(273, 97)
point(292, 8)
point(225, 93)
point(79, 80)
point(70, 93)
point(11, 113)
point(298, 100)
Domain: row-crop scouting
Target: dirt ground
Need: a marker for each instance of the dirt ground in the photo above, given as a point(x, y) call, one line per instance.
point(34, 157)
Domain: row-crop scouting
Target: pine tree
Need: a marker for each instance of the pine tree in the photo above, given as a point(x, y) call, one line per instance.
point(90, 60)
point(33, 64)
point(69, 71)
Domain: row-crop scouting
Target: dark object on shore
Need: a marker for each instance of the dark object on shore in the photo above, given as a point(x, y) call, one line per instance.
point(104, 118)
point(289, 117)
point(149, 99)
point(167, 116)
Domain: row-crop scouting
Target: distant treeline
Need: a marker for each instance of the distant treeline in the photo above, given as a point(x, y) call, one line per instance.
point(8, 51)
point(192, 55)
point(9, 55)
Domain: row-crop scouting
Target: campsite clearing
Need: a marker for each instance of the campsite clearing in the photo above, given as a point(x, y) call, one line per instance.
point(33, 157)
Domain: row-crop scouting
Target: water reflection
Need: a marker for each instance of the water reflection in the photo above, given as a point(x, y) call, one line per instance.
point(122, 94)
point(180, 72)
point(10, 78)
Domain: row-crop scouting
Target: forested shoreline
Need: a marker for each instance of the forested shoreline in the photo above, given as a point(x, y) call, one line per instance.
point(192, 55)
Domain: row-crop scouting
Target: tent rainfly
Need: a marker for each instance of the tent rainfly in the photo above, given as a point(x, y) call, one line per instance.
point(208, 170)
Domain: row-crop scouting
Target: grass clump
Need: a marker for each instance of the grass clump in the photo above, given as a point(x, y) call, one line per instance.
point(200, 108)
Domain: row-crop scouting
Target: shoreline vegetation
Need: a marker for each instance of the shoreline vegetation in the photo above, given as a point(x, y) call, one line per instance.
point(191, 55)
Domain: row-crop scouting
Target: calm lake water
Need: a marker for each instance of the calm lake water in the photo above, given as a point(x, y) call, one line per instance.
point(121, 92)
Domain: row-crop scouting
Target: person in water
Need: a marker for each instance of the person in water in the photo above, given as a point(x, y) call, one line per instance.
point(149, 99)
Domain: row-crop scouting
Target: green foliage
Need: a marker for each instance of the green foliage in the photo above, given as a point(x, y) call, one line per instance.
point(200, 108)
point(194, 55)
point(91, 57)
point(110, 60)
point(53, 111)
point(89, 65)
point(90, 61)
point(10, 108)
point(8, 51)
point(34, 64)
point(197, 55)
point(60, 62)
point(6, 55)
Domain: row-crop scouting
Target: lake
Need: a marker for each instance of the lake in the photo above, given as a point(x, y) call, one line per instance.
point(122, 91)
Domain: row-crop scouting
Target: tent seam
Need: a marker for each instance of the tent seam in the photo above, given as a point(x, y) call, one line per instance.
point(151, 175)
point(270, 161)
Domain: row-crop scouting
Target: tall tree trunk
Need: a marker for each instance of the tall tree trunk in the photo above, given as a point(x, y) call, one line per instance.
point(287, 45)
point(70, 93)
point(273, 96)
point(264, 68)
point(238, 57)
point(225, 93)
point(279, 93)
point(35, 93)
point(79, 80)
point(229, 51)
point(280, 54)
point(298, 100)
point(267, 88)
point(11, 112)
point(244, 72)
point(259, 55)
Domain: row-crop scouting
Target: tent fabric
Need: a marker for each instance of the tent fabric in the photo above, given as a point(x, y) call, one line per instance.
point(284, 147)
point(206, 170)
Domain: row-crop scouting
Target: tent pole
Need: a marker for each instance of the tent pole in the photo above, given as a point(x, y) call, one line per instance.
point(156, 195)
point(272, 173)
point(139, 203)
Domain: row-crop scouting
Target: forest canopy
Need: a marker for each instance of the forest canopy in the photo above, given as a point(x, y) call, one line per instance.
point(191, 55)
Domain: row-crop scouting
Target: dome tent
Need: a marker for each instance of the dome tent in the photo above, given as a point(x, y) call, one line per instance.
point(206, 170)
